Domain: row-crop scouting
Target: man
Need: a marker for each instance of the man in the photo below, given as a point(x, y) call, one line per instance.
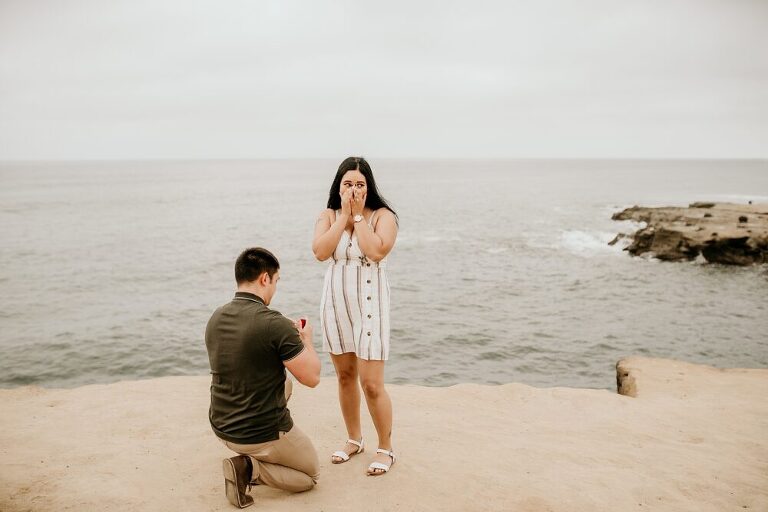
point(249, 348)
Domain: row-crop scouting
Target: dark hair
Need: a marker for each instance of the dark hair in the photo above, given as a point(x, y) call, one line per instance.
point(253, 262)
point(373, 199)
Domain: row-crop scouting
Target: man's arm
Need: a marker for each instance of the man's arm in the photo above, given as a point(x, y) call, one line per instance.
point(305, 366)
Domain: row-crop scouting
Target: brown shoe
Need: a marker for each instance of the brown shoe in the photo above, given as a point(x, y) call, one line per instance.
point(237, 477)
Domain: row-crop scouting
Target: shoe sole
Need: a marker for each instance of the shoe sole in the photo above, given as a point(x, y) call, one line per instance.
point(230, 485)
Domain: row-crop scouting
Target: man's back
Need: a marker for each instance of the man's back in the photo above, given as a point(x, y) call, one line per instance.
point(247, 345)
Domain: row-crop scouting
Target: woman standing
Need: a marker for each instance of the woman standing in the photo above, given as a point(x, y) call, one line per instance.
point(358, 230)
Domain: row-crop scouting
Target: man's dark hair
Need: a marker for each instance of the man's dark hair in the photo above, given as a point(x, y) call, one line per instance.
point(253, 262)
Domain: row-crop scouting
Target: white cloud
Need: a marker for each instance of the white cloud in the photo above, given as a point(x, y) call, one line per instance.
point(313, 79)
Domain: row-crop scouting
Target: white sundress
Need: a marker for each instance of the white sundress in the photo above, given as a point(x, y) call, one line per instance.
point(354, 308)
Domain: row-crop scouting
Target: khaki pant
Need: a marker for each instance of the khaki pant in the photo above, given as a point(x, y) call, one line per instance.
point(289, 462)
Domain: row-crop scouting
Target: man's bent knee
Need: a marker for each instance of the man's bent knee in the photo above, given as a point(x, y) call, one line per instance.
point(306, 484)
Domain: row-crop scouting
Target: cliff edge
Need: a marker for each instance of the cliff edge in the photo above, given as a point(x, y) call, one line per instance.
point(692, 439)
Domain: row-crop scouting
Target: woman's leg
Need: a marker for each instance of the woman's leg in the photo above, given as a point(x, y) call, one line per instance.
point(379, 404)
point(349, 397)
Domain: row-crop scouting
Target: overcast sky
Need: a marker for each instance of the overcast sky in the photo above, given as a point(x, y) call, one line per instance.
point(86, 79)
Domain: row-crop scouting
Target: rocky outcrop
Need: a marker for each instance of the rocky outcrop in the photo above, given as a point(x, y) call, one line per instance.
point(732, 234)
point(625, 380)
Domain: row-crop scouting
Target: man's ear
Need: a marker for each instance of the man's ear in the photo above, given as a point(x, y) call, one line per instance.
point(264, 279)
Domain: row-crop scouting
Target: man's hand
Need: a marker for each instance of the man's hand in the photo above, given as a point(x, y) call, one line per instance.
point(305, 330)
point(306, 366)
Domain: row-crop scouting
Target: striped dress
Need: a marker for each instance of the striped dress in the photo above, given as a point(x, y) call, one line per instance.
point(354, 309)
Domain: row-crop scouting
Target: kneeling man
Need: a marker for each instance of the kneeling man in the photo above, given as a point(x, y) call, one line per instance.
point(249, 348)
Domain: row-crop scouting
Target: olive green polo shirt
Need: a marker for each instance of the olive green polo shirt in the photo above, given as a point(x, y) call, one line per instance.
point(247, 344)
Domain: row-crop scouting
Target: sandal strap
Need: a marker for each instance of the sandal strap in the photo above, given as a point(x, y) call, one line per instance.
point(387, 452)
point(379, 465)
point(342, 455)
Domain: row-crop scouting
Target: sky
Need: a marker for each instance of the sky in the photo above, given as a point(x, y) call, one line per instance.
point(157, 79)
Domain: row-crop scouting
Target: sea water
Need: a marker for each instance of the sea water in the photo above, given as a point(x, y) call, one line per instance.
point(502, 270)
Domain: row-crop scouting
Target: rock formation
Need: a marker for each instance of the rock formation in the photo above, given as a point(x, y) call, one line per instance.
point(732, 234)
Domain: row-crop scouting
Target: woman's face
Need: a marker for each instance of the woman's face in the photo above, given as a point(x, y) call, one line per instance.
point(353, 180)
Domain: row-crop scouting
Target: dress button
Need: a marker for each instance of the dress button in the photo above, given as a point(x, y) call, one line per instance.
point(369, 316)
point(350, 244)
point(368, 298)
point(368, 281)
point(369, 333)
point(367, 264)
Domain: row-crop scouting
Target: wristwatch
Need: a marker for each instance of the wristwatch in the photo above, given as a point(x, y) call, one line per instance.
point(358, 218)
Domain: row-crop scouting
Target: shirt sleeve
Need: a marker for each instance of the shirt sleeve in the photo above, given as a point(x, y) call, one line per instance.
point(285, 338)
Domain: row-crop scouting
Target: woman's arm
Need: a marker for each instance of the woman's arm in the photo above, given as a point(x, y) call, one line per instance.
point(327, 234)
point(378, 242)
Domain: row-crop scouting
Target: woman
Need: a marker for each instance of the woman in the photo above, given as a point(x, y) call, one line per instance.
point(358, 230)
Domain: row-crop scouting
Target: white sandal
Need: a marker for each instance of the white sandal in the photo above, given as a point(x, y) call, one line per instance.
point(378, 465)
point(344, 456)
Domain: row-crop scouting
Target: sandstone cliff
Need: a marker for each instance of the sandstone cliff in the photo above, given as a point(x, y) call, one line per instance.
point(692, 439)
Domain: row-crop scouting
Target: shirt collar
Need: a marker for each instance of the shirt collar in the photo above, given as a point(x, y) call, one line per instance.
point(249, 296)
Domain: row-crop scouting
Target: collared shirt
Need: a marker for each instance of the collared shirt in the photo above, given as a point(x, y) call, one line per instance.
point(247, 344)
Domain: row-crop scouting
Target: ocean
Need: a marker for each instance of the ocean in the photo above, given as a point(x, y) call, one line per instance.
point(502, 270)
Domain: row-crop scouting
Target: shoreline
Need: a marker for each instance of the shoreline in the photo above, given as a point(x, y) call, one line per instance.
point(691, 438)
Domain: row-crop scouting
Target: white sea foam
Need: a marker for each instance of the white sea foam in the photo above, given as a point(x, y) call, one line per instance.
point(630, 226)
point(586, 242)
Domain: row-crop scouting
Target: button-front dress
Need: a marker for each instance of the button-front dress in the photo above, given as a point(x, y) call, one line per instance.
point(354, 309)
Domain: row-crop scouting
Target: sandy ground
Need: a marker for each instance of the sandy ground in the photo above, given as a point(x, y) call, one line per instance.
point(694, 439)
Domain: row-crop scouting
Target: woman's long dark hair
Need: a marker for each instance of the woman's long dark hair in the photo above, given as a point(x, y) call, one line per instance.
point(373, 199)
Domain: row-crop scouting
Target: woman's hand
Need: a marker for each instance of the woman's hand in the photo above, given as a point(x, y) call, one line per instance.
point(346, 202)
point(358, 202)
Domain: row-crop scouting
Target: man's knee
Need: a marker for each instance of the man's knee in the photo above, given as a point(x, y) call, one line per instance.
point(314, 467)
point(308, 480)
point(309, 485)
